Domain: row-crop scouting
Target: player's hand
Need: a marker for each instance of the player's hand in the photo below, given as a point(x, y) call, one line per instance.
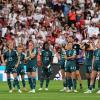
point(16, 66)
point(65, 57)
point(5, 61)
point(32, 55)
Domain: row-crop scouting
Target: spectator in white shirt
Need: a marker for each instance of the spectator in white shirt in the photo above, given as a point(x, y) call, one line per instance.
point(92, 30)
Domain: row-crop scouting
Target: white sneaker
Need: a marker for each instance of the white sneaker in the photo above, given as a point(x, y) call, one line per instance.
point(69, 91)
point(64, 89)
point(75, 91)
point(98, 92)
point(88, 91)
point(46, 89)
point(40, 89)
point(10, 91)
point(32, 91)
point(19, 91)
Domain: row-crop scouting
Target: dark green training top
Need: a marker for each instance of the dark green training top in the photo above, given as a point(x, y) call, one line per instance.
point(11, 58)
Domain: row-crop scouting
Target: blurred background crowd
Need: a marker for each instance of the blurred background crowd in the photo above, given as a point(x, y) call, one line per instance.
point(48, 20)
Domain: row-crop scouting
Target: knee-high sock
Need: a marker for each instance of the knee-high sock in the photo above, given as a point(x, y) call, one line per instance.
point(41, 82)
point(47, 82)
point(74, 84)
point(99, 84)
point(34, 83)
point(16, 82)
point(13, 84)
point(69, 83)
point(9, 83)
point(30, 82)
point(65, 82)
point(23, 83)
point(90, 87)
point(94, 83)
point(88, 80)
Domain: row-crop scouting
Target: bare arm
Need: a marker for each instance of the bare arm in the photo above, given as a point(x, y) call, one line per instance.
point(2, 59)
point(93, 61)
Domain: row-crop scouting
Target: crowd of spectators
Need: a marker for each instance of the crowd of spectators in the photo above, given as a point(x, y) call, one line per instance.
point(48, 20)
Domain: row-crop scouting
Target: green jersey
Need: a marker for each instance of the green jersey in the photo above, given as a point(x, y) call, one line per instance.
point(11, 58)
point(70, 64)
point(70, 53)
point(47, 57)
point(32, 62)
point(62, 55)
point(20, 69)
point(22, 57)
point(62, 60)
point(97, 56)
point(88, 57)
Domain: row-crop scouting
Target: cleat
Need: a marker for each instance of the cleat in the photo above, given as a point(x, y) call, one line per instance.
point(69, 91)
point(32, 91)
point(88, 91)
point(10, 91)
point(40, 89)
point(98, 92)
point(19, 91)
point(75, 91)
point(64, 89)
point(46, 89)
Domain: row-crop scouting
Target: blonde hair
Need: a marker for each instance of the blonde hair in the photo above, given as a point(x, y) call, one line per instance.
point(68, 46)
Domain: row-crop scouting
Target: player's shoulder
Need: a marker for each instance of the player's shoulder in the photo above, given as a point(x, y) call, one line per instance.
point(5, 52)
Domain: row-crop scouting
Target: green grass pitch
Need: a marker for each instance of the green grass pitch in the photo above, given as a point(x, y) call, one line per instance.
point(52, 94)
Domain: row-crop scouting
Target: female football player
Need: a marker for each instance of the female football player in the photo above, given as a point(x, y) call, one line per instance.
point(9, 59)
point(20, 65)
point(79, 60)
point(31, 58)
point(88, 61)
point(46, 58)
point(70, 67)
point(61, 53)
point(95, 68)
